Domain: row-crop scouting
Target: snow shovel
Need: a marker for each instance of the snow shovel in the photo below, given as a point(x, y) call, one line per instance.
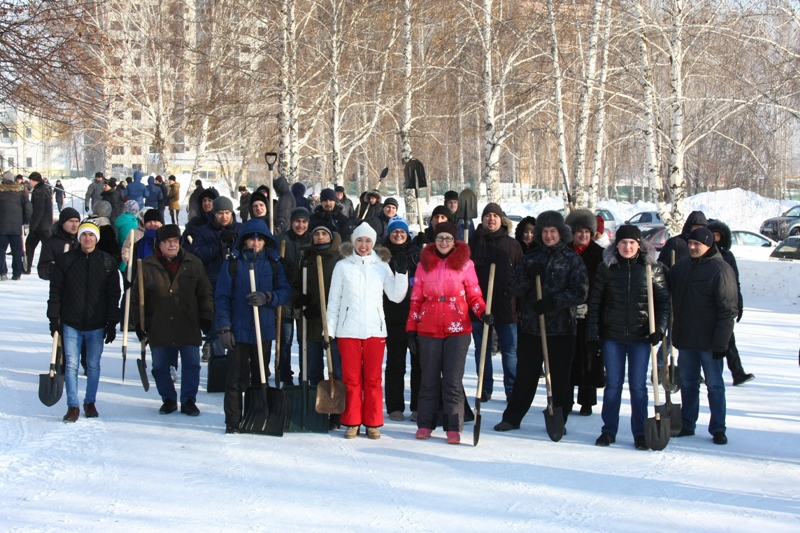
point(553, 416)
point(127, 314)
point(476, 430)
point(265, 407)
point(467, 210)
point(303, 417)
point(24, 252)
point(674, 373)
point(141, 363)
point(279, 317)
point(330, 393)
point(673, 409)
point(414, 174)
point(656, 429)
point(51, 384)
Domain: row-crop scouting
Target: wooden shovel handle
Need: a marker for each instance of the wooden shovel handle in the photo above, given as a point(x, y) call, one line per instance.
point(543, 331)
point(256, 318)
point(324, 315)
point(651, 318)
point(485, 337)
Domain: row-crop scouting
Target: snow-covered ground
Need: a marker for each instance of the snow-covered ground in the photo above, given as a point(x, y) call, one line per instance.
point(135, 470)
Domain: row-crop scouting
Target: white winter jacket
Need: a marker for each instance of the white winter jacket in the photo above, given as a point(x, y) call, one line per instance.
point(355, 299)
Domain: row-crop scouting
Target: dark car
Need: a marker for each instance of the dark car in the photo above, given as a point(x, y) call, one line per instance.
point(778, 228)
point(646, 219)
point(656, 236)
point(788, 250)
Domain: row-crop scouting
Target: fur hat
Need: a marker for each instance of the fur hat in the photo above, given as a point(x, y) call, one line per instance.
point(364, 230)
point(450, 195)
point(221, 204)
point(628, 231)
point(445, 227)
point(397, 223)
point(327, 194)
point(89, 226)
point(702, 235)
point(170, 231)
point(391, 201)
point(551, 219)
point(68, 213)
point(153, 214)
point(582, 219)
point(299, 212)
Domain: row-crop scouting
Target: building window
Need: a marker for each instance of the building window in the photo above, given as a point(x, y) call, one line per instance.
point(137, 166)
point(116, 166)
point(119, 114)
point(117, 150)
point(136, 115)
point(6, 133)
point(29, 162)
point(136, 150)
point(10, 161)
point(28, 133)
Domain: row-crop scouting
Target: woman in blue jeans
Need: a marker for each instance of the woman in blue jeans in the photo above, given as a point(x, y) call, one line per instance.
point(618, 316)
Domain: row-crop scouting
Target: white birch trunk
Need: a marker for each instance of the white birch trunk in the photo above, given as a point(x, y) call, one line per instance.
point(600, 116)
point(405, 119)
point(491, 147)
point(677, 149)
point(557, 77)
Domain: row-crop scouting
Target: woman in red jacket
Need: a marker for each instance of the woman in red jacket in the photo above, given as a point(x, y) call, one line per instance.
point(445, 290)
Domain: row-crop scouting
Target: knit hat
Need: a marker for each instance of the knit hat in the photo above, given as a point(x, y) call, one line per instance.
point(703, 236)
point(198, 183)
point(339, 188)
point(601, 224)
point(492, 208)
point(68, 213)
point(322, 225)
point(445, 227)
point(258, 196)
point(397, 223)
point(450, 195)
point(582, 219)
point(132, 207)
point(170, 231)
point(299, 212)
point(551, 219)
point(364, 230)
point(35, 176)
point(441, 210)
point(90, 226)
point(153, 214)
point(102, 208)
point(629, 231)
point(222, 204)
point(327, 194)
point(391, 201)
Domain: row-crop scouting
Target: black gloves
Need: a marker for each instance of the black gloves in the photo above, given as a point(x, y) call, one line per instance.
point(593, 347)
point(257, 299)
point(312, 311)
point(55, 325)
point(228, 237)
point(488, 320)
point(304, 300)
point(544, 305)
point(126, 284)
point(325, 345)
point(739, 316)
point(719, 355)
point(205, 325)
point(226, 339)
point(86, 207)
point(536, 269)
point(413, 342)
point(423, 239)
point(655, 338)
point(401, 264)
point(111, 333)
point(140, 334)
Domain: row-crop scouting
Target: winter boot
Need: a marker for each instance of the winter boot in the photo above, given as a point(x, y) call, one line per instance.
point(90, 410)
point(397, 416)
point(424, 433)
point(169, 406)
point(586, 410)
point(189, 408)
point(73, 413)
point(739, 380)
point(335, 422)
point(505, 426)
point(605, 439)
point(720, 438)
point(453, 437)
point(351, 432)
point(413, 416)
point(640, 443)
point(373, 433)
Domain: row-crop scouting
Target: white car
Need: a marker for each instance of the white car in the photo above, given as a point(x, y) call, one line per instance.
point(751, 246)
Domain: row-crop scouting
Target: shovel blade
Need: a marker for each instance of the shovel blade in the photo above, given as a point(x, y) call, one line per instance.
point(142, 365)
point(414, 174)
point(50, 388)
point(476, 429)
point(675, 419)
point(656, 433)
point(302, 417)
point(675, 377)
point(327, 404)
point(265, 410)
point(467, 205)
point(554, 423)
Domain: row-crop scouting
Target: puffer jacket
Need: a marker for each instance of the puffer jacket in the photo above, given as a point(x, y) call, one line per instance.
point(618, 302)
point(565, 282)
point(201, 218)
point(355, 305)
point(504, 251)
point(232, 309)
point(444, 293)
point(155, 195)
point(291, 261)
point(52, 247)
point(174, 308)
point(207, 245)
point(397, 313)
point(704, 297)
point(174, 196)
point(137, 190)
point(330, 257)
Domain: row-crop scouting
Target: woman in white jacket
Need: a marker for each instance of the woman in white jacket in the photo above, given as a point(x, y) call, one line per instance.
point(356, 320)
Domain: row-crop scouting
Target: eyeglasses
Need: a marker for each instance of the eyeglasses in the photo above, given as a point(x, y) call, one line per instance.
point(445, 239)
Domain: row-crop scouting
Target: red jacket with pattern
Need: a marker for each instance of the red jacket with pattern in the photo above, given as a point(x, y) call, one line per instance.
point(445, 291)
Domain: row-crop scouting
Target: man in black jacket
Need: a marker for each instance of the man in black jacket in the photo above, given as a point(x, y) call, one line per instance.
point(703, 288)
point(41, 218)
point(178, 305)
point(83, 306)
point(330, 212)
point(678, 243)
point(15, 210)
point(65, 234)
point(380, 222)
point(345, 202)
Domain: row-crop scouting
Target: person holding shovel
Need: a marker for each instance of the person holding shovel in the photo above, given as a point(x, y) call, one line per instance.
point(566, 285)
point(445, 290)
point(84, 293)
point(356, 320)
point(234, 300)
point(617, 321)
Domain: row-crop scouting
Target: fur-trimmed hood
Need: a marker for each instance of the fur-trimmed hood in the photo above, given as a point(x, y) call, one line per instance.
point(11, 187)
point(695, 218)
point(347, 251)
point(551, 219)
point(455, 261)
point(724, 231)
point(647, 254)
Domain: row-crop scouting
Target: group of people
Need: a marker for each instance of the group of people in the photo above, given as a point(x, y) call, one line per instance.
point(390, 295)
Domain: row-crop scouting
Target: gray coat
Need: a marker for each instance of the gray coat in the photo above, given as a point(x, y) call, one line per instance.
point(93, 193)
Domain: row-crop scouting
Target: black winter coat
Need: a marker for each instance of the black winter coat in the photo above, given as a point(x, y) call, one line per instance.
point(724, 247)
point(618, 301)
point(565, 282)
point(397, 314)
point(84, 290)
point(208, 247)
point(174, 309)
point(295, 245)
point(587, 367)
point(705, 302)
point(379, 223)
point(42, 214)
point(341, 224)
point(52, 247)
point(15, 208)
point(679, 243)
point(330, 257)
point(505, 252)
point(284, 204)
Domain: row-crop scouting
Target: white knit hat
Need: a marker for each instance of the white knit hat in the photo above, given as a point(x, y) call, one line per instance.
point(89, 226)
point(364, 230)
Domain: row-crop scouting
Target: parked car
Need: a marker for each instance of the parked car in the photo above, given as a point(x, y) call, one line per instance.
point(751, 245)
point(609, 221)
point(656, 236)
point(646, 219)
point(788, 250)
point(778, 228)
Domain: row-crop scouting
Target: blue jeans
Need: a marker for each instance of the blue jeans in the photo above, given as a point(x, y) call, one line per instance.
point(614, 355)
point(15, 242)
point(287, 332)
point(507, 337)
point(690, 363)
point(73, 339)
point(315, 354)
point(167, 356)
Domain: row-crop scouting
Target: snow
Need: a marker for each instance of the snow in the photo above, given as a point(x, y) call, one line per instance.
point(135, 470)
